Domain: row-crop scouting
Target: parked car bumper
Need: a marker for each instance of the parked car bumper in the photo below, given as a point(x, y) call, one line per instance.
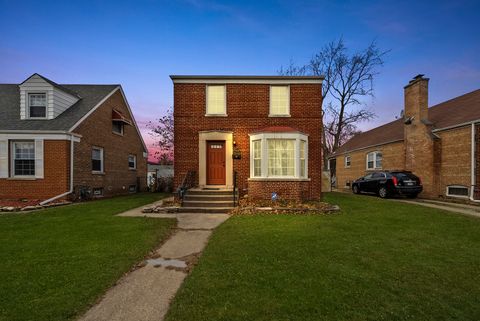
point(406, 190)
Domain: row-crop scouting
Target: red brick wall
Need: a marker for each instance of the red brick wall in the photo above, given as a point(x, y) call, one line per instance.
point(285, 190)
point(96, 130)
point(247, 109)
point(56, 175)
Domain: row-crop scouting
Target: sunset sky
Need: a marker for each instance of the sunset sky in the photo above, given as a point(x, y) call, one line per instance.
point(138, 44)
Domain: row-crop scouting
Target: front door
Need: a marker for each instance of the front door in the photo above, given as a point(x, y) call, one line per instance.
point(215, 162)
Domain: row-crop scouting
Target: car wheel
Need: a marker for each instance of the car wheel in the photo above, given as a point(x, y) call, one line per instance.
point(355, 189)
point(412, 195)
point(382, 192)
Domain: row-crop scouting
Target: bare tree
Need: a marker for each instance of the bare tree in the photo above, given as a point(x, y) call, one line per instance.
point(162, 132)
point(348, 80)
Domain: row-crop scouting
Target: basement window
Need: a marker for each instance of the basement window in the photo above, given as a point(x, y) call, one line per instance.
point(97, 191)
point(457, 191)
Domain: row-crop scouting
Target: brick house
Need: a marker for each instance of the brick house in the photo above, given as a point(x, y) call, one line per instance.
point(439, 144)
point(265, 129)
point(54, 139)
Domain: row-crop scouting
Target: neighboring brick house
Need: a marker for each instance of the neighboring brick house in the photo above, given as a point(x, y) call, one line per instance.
point(58, 139)
point(267, 129)
point(439, 144)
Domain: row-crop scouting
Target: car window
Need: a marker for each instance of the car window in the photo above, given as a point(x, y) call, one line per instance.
point(378, 175)
point(404, 175)
point(369, 176)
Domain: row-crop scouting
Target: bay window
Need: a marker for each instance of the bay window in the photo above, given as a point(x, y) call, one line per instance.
point(257, 158)
point(278, 156)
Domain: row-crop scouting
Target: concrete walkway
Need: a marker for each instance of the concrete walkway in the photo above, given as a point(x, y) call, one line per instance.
point(464, 209)
point(145, 293)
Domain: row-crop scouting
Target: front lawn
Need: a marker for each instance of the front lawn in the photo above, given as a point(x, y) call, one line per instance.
point(56, 262)
point(377, 260)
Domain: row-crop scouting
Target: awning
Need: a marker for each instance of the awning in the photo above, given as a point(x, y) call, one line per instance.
point(117, 116)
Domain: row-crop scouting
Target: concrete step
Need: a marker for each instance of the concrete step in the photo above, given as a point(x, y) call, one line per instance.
point(209, 198)
point(198, 191)
point(207, 204)
point(212, 210)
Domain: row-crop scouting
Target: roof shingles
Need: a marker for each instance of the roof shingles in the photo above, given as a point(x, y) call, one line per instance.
point(90, 95)
point(456, 111)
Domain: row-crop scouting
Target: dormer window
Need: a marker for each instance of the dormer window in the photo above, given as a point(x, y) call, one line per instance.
point(37, 105)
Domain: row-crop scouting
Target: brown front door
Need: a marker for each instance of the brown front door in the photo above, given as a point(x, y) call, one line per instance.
point(215, 162)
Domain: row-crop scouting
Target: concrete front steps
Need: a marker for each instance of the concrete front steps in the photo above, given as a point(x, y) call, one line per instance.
point(198, 200)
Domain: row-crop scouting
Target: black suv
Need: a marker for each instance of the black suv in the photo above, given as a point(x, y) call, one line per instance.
point(388, 183)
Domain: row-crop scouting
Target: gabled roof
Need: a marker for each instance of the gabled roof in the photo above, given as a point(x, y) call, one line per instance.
point(457, 111)
point(54, 84)
point(90, 95)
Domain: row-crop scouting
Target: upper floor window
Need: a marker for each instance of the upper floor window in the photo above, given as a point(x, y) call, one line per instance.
point(132, 162)
point(37, 105)
point(216, 100)
point(279, 101)
point(97, 159)
point(23, 158)
point(117, 127)
point(374, 160)
point(347, 161)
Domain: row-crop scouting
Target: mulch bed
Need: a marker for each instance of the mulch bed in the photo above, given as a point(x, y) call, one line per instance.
point(252, 207)
point(18, 203)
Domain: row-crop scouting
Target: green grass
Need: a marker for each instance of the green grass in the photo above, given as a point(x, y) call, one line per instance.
point(378, 260)
point(56, 262)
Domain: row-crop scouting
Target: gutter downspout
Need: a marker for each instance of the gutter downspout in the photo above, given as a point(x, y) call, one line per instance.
point(472, 167)
point(71, 176)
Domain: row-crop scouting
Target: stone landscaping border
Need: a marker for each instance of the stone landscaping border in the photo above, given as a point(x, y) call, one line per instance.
point(29, 208)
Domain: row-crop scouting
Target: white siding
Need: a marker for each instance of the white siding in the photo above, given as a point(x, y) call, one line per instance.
point(57, 100)
point(3, 158)
point(61, 101)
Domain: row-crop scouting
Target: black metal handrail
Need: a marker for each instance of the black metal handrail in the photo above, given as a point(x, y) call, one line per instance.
point(187, 183)
point(234, 188)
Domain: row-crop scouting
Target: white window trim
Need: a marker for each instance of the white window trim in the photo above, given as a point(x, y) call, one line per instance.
point(27, 111)
point(224, 114)
point(134, 162)
point(374, 160)
point(349, 161)
point(263, 137)
point(12, 160)
point(102, 171)
point(270, 114)
point(458, 196)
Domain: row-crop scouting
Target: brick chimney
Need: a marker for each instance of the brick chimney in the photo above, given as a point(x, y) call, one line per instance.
point(418, 137)
point(416, 99)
